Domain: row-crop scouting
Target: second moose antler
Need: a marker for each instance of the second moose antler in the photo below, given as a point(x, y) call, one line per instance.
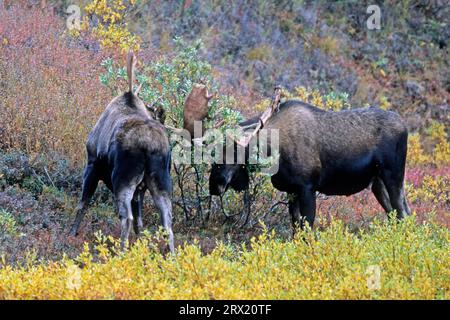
point(195, 109)
point(276, 98)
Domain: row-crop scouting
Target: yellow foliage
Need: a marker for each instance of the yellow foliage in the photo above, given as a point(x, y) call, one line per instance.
point(328, 44)
point(302, 93)
point(314, 97)
point(262, 105)
point(416, 155)
point(330, 264)
point(112, 30)
point(384, 103)
point(433, 189)
point(261, 53)
point(333, 104)
point(441, 153)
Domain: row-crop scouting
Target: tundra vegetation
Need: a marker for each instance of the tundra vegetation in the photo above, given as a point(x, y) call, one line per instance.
point(55, 84)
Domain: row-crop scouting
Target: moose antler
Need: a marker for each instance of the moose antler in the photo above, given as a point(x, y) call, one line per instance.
point(195, 109)
point(196, 106)
point(131, 63)
point(174, 130)
point(276, 98)
point(138, 89)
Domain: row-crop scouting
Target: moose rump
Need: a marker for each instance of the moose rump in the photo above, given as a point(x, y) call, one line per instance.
point(130, 152)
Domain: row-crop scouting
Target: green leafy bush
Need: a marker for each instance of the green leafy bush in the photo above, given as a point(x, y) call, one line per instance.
point(8, 224)
point(167, 82)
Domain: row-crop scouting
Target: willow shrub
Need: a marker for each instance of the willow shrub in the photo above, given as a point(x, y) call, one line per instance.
point(166, 82)
point(411, 259)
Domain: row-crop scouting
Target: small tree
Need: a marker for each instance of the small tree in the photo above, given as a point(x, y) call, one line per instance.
point(167, 82)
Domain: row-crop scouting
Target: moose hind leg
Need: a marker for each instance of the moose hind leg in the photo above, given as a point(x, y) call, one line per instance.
point(405, 203)
point(294, 211)
point(90, 183)
point(164, 205)
point(124, 198)
point(136, 205)
point(393, 175)
point(396, 191)
point(160, 189)
point(381, 194)
point(127, 175)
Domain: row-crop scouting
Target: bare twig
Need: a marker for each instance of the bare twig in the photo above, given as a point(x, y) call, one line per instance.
point(273, 208)
point(197, 191)
point(48, 176)
point(180, 185)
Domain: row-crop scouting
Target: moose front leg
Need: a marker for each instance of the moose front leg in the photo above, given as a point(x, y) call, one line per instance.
point(381, 194)
point(307, 206)
point(247, 207)
point(302, 207)
point(294, 211)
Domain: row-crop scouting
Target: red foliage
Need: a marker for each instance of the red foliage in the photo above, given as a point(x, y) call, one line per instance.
point(50, 87)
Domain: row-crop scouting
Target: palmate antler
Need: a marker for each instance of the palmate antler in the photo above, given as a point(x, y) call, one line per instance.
point(195, 109)
point(276, 98)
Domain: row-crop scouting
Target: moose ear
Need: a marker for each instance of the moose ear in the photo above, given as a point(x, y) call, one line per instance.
point(157, 111)
point(240, 180)
point(161, 114)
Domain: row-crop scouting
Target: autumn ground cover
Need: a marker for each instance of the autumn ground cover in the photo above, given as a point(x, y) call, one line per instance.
point(55, 84)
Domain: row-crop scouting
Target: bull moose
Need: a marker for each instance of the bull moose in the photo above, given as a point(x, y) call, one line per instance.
point(129, 151)
point(334, 153)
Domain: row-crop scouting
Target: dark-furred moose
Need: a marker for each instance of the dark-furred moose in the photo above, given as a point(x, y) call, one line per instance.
point(334, 153)
point(129, 151)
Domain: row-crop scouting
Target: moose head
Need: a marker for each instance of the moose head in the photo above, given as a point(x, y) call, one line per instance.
point(236, 174)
